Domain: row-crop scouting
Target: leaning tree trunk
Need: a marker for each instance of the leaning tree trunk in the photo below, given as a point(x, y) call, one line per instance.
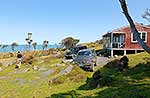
point(132, 26)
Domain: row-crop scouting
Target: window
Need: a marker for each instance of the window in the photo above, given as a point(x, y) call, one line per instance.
point(116, 39)
point(143, 36)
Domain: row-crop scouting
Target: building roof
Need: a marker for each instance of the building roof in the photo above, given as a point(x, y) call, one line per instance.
point(118, 29)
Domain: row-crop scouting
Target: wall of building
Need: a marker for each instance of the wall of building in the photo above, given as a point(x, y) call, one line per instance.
point(134, 45)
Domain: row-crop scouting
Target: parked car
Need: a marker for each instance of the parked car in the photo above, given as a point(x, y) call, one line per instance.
point(68, 55)
point(86, 59)
point(75, 49)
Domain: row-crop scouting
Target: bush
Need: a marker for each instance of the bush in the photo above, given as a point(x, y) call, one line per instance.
point(118, 64)
point(98, 80)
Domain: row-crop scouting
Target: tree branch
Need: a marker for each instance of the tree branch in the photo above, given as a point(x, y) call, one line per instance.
point(146, 15)
point(132, 26)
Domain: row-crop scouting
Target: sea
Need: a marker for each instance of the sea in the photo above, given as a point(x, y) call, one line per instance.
point(22, 48)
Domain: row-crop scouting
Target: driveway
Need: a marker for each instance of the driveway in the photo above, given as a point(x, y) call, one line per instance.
point(102, 60)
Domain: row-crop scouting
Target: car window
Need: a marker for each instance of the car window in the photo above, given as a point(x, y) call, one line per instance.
point(84, 53)
point(76, 49)
point(68, 53)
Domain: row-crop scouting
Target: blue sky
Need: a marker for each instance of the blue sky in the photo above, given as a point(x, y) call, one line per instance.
point(54, 20)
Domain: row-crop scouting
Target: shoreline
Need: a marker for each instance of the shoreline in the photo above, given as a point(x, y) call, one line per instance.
point(23, 48)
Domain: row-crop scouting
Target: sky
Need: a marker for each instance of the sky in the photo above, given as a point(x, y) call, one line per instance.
point(54, 20)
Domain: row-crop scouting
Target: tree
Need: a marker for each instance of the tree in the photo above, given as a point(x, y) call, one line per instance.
point(4, 47)
point(45, 44)
point(29, 40)
point(13, 45)
point(69, 42)
point(132, 26)
point(146, 15)
point(34, 45)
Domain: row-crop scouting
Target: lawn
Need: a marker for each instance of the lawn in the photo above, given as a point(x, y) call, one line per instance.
point(131, 83)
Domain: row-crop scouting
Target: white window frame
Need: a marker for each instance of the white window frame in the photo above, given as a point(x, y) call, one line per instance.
point(140, 36)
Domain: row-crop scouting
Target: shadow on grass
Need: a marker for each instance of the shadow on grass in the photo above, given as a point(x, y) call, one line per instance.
point(128, 83)
point(139, 72)
point(125, 91)
point(70, 94)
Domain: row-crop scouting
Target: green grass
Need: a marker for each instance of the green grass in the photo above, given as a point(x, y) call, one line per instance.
point(18, 84)
point(131, 83)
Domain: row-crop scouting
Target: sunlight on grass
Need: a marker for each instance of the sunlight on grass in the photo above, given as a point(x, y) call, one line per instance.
point(124, 84)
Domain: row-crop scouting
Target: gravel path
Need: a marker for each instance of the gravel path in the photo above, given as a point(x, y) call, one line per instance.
point(65, 71)
point(102, 61)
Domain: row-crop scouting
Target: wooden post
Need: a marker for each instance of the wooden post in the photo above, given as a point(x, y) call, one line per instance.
point(112, 52)
point(125, 52)
point(135, 51)
point(111, 37)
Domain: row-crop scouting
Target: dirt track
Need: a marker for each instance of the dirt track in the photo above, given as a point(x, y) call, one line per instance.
point(102, 61)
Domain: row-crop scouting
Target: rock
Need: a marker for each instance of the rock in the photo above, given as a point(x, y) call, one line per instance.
point(67, 70)
point(17, 67)
point(42, 69)
point(115, 56)
point(48, 72)
point(98, 86)
point(1, 69)
point(7, 62)
point(57, 65)
point(123, 63)
point(40, 61)
point(109, 56)
point(117, 64)
point(37, 77)
point(19, 81)
point(26, 69)
point(97, 75)
point(4, 77)
point(35, 68)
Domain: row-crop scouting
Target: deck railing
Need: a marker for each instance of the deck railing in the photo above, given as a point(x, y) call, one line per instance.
point(117, 45)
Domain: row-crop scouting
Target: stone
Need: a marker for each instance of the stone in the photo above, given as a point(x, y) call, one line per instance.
point(57, 65)
point(42, 69)
point(98, 85)
point(35, 68)
point(115, 56)
point(37, 77)
point(26, 69)
point(1, 69)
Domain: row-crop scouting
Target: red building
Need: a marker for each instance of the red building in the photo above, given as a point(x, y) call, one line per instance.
point(122, 41)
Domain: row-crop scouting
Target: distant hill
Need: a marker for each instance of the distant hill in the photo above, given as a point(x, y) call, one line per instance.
point(97, 45)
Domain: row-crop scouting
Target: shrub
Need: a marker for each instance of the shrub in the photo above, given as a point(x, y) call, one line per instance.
point(118, 64)
point(98, 80)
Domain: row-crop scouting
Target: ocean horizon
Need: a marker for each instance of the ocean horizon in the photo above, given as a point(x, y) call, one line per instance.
point(22, 48)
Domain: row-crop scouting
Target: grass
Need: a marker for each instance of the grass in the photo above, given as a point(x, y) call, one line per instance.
point(131, 83)
point(19, 84)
